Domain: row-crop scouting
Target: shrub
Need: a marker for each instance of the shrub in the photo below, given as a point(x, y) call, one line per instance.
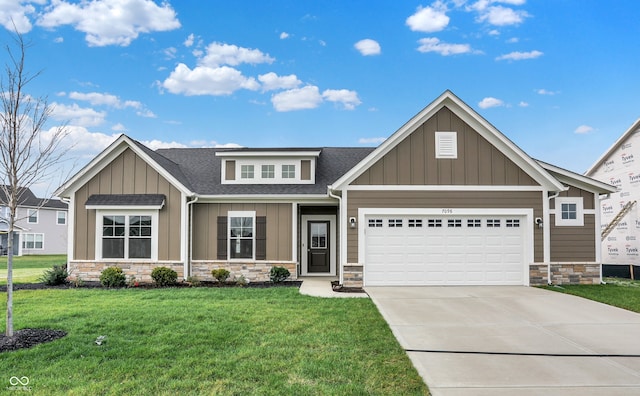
point(55, 276)
point(194, 281)
point(163, 276)
point(241, 281)
point(278, 274)
point(220, 274)
point(113, 277)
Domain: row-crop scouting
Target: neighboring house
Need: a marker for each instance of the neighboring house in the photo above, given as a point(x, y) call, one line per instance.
point(446, 200)
point(40, 228)
point(620, 166)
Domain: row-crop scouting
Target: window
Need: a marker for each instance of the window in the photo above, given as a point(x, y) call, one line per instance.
point(446, 145)
point(32, 241)
point(513, 223)
point(246, 171)
point(415, 223)
point(268, 171)
point(493, 223)
point(288, 171)
point(375, 223)
point(127, 236)
point(473, 223)
point(395, 223)
point(241, 235)
point(569, 212)
point(32, 216)
point(456, 223)
point(61, 218)
point(433, 223)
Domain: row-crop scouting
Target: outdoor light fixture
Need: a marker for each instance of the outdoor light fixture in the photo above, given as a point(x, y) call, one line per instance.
point(352, 222)
point(539, 222)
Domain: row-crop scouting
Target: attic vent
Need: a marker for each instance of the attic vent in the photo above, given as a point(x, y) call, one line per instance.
point(446, 145)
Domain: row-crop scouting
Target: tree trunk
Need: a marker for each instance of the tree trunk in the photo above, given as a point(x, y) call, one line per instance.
point(9, 332)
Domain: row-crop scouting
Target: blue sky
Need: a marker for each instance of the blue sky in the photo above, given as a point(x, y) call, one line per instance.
point(559, 78)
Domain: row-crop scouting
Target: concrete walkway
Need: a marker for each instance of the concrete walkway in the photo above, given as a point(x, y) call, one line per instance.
point(518, 340)
point(321, 287)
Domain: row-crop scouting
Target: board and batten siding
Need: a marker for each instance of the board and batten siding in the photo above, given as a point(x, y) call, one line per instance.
point(128, 174)
point(279, 228)
point(413, 160)
point(443, 199)
point(573, 244)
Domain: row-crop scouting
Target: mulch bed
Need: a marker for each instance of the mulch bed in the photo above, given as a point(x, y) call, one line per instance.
point(26, 338)
point(337, 287)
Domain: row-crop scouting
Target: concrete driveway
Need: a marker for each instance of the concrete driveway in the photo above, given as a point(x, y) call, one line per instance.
point(505, 340)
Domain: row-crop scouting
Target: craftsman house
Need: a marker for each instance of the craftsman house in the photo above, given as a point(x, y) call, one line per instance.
point(446, 200)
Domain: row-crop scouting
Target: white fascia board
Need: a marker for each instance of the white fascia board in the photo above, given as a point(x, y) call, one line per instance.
point(471, 117)
point(584, 182)
point(274, 153)
point(635, 126)
point(315, 198)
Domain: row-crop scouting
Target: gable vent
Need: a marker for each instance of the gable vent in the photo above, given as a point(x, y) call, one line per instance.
point(446, 145)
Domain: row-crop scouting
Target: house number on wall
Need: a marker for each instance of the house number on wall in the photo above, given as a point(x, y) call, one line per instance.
point(447, 211)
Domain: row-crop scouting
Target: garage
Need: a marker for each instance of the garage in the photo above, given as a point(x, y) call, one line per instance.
point(405, 249)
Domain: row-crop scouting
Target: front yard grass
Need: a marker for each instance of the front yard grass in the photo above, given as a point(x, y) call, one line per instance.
point(232, 341)
point(622, 293)
point(27, 269)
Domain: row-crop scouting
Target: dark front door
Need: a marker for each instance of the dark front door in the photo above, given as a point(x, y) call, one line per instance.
point(318, 258)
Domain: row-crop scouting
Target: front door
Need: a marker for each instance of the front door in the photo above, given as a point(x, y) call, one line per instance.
point(318, 254)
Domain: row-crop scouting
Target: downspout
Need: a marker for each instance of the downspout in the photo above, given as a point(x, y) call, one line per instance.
point(69, 225)
point(340, 245)
point(190, 250)
point(548, 229)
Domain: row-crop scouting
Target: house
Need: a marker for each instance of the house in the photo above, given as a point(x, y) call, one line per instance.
point(446, 200)
point(40, 227)
point(620, 166)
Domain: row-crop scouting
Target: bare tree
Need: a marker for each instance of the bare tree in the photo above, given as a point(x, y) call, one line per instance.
point(28, 153)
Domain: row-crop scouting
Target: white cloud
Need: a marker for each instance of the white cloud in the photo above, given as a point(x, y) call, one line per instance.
point(213, 143)
point(189, 41)
point(15, 12)
point(490, 102)
point(543, 91)
point(218, 54)
point(297, 99)
point(502, 16)
point(523, 104)
point(433, 44)
point(76, 115)
point(429, 19)
point(284, 35)
point(349, 99)
point(271, 81)
point(520, 55)
point(80, 140)
point(202, 80)
point(146, 113)
point(374, 140)
point(170, 53)
point(104, 99)
point(111, 22)
point(513, 40)
point(158, 144)
point(368, 47)
point(118, 128)
point(583, 129)
point(58, 40)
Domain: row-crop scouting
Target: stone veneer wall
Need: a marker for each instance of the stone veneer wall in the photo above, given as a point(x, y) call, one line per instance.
point(352, 275)
point(91, 270)
point(565, 274)
point(253, 271)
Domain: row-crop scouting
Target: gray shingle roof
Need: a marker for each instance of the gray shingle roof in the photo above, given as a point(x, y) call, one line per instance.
point(202, 170)
point(126, 199)
point(27, 198)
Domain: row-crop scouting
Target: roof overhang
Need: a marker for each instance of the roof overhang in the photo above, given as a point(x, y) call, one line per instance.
point(269, 153)
point(120, 201)
point(574, 179)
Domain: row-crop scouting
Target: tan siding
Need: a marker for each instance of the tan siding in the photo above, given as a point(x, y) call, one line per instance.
point(230, 173)
point(125, 176)
point(573, 244)
point(413, 162)
point(574, 192)
point(442, 199)
point(305, 170)
point(279, 229)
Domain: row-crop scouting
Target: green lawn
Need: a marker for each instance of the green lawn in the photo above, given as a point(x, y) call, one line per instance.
point(232, 341)
point(621, 293)
point(27, 269)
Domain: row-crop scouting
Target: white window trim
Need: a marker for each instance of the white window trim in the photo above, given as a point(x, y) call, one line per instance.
point(23, 241)
point(65, 217)
point(277, 162)
point(578, 221)
point(251, 214)
point(248, 167)
point(451, 140)
point(37, 212)
point(127, 212)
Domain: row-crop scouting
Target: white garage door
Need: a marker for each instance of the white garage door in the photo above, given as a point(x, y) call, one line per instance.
point(432, 250)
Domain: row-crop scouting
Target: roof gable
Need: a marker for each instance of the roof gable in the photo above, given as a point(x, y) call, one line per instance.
point(635, 127)
point(471, 118)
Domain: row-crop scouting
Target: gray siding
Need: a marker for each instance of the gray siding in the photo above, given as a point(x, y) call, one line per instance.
point(55, 236)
